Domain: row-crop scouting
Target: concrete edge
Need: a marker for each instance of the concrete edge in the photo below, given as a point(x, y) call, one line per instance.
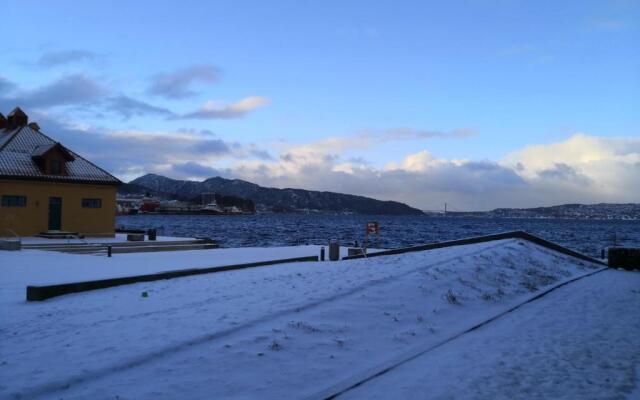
point(481, 239)
point(45, 246)
point(39, 293)
point(152, 249)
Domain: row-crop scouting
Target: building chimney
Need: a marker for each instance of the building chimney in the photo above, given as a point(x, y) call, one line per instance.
point(17, 118)
point(3, 121)
point(34, 126)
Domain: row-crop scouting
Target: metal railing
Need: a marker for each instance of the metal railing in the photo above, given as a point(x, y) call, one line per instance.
point(78, 237)
point(11, 231)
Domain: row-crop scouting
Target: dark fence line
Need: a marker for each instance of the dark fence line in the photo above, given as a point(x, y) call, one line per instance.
point(39, 293)
point(481, 239)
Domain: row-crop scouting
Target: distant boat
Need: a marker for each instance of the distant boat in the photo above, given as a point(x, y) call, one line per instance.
point(127, 206)
point(148, 205)
point(211, 208)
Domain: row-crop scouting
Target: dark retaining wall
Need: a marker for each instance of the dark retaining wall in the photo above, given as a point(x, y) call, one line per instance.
point(481, 239)
point(39, 293)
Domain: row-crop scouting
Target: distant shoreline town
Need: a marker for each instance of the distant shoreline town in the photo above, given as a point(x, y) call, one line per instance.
point(602, 211)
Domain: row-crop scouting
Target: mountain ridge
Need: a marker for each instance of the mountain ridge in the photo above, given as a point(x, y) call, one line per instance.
point(270, 199)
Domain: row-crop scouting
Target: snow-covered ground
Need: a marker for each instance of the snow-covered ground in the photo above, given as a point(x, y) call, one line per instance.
point(294, 330)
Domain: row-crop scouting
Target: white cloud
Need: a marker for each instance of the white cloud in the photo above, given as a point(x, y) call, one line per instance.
point(603, 169)
point(579, 150)
point(215, 110)
point(417, 134)
point(418, 162)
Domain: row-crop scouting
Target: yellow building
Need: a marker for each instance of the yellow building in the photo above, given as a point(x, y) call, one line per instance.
point(47, 188)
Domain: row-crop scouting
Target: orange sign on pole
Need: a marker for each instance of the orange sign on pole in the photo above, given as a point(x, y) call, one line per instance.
point(371, 228)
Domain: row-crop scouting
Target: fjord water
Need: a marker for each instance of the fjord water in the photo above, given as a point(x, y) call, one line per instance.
point(586, 236)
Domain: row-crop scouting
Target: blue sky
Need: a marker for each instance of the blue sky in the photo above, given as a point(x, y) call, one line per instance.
point(354, 87)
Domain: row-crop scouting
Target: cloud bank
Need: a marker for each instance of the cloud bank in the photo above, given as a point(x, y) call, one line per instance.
point(581, 169)
point(178, 84)
point(79, 90)
point(56, 58)
point(132, 153)
point(74, 89)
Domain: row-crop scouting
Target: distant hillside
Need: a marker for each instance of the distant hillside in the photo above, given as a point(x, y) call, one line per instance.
point(242, 203)
point(133, 189)
point(273, 199)
point(628, 211)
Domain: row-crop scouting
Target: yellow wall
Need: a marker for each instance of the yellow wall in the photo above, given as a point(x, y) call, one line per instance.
point(34, 218)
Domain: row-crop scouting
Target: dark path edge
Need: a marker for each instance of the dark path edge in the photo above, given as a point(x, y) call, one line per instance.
point(481, 239)
point(39, 293)
point(372, 373)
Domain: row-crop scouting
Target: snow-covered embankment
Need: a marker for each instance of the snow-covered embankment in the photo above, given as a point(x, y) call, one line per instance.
point(291, 331)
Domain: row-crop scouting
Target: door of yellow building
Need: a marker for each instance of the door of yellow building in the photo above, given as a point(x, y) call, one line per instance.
point(55, 213)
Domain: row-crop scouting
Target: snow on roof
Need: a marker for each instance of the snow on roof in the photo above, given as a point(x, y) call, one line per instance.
point(6, 135)
point(18, 145)
point(42, 150)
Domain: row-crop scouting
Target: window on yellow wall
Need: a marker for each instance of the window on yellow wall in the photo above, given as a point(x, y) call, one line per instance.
point(92, 203)
point(14, 201)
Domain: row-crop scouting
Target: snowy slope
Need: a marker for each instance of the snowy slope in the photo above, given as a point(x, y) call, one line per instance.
point(284, 331)
point(580, 342)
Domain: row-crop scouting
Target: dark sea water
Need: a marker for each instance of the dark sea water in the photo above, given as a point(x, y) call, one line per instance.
point(587, 236)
